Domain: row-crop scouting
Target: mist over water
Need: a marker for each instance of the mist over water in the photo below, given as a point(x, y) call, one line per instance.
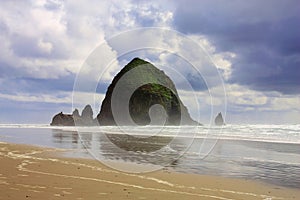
point(267, 153)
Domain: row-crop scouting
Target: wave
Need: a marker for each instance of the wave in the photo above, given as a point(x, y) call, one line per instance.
point(261, 133)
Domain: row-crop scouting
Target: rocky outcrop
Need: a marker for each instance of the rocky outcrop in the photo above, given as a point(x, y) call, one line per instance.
point(76, 113)
point(219, 121)
point(87, 113)
point(86, 118)
point(62, 120)
point(159, 90)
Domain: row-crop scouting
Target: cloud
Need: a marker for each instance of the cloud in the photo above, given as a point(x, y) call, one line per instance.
point(243, 105)
point(35, 47)
point(46, 98)
point(174, 53)
point(251, 106)
point(264, 36)
point(52, 39)
point(76, 100)
point(254, 46)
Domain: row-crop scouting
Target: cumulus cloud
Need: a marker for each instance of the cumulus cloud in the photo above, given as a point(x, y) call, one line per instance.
point(44, 43)
point(51, 38)
point(34, 47)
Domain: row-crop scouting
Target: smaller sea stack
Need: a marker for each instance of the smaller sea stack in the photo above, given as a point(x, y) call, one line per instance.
point(219, 121)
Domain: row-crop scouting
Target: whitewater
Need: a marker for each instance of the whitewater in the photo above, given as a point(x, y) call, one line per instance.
point(248, 132)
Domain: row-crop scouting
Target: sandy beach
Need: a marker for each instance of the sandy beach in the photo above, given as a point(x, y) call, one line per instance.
point(29, 172)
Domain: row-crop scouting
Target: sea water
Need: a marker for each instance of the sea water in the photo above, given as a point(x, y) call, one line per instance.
point(269, 153)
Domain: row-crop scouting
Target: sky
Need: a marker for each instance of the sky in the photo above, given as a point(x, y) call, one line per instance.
point(254, 47)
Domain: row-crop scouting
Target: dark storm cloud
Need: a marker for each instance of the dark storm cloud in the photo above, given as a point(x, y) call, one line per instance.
point(263, 34)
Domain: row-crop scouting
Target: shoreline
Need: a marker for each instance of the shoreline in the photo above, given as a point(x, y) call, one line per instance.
point(36, 172)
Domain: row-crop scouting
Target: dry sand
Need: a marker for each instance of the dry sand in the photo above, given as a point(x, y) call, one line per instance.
point(29, 172)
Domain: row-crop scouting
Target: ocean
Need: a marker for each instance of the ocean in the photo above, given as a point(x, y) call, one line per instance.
point(267, 153)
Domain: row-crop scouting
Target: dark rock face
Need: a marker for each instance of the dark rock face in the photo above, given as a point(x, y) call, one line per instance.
point(62, 120)
point(87, 113)
point(159, 90)
point(86, 118)
point(76, 113)
point(219, 120)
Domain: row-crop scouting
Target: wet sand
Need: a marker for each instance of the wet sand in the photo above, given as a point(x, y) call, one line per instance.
point(29, 172)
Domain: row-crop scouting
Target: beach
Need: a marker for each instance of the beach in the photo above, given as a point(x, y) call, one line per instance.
point(158, 100)
point(29, 172)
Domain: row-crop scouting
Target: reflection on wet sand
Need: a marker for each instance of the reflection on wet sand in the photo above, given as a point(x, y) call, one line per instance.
point(273, 163)
point(139, 144)
point(60, 136)
point(141, 150)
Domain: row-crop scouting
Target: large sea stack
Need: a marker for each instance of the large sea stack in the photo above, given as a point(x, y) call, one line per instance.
point(144, 95)
point(159, 89)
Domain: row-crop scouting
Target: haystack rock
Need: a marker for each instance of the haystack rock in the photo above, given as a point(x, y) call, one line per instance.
point(145, 97)
point(219, 121)
point(152, 103)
